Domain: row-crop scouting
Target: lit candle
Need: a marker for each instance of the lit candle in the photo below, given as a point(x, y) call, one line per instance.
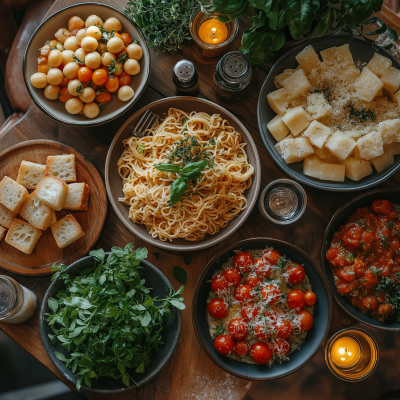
point(345, 352)
point(212, 31)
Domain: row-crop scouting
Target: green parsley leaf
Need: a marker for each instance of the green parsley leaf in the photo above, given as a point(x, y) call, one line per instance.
point(180, 275)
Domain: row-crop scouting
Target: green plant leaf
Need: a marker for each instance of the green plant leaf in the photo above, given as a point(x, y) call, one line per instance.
point(178, 188)
point(53, 304)
point(141, 253)
point(99, 255)
point(177, 304)
point(194, 167)
point(273, 14)
point(230, 9)
point(61, 357)
point(167, 167)
point(325, 22)
point(300, 15)
point(264, 5)
point(180, 275)
point(255, 47)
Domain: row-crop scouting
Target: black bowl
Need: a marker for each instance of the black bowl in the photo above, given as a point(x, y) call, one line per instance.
point(170, 334)
point(362, 52)
point(340, 218)
point(315, 337)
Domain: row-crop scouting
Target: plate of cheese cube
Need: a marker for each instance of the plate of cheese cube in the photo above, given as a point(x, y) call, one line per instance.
point(53, 206)
point(329, 113)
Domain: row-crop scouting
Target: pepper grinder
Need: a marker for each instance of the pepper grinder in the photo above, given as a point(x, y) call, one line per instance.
point(185, 78)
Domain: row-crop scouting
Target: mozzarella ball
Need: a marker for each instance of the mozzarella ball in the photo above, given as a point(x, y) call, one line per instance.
point(39, 80)
point(71, 43)
point(55, 76)
point(93, 60)
point(45, 50)
point(70, 71)
point(51, 92)
point(89, 44)
point(91, 110)
point(60, 47)
point(131, 67)
point(62, 34)
point(68, 56)
point(134, 51)
point(94, 20)
point(88, 94)
point(94, 32)
point(55, 58)
point(115, 45)
point(75, 87)
point(125, 93)
point(74, 106)
point(102, 48)
point(80, 35)
point(81, 54)
point(106, 58)
point(119, 68)
point(112, 23)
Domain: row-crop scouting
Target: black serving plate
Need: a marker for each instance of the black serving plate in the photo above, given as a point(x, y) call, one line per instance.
point(315, 337)
point(340, 218)
point(156, 280)
point(362, 52)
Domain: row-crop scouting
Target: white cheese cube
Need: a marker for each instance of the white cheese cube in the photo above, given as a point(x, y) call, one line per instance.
point(294, 150)
point(278, 128)
point(296, 119)
point(394, 149)
point(340, 145)
point(312, 166)
point(343, 55)
point(379, 64)
point(367, 85)
point(333, 172)
point(357, 169)
point(390, 131)
point(369, 146)
point(281, 77)
point(317, 106)
point(391, 80)
point(349, 73)
point(395, 97)
point(278, 101)
point(296, 84)
point(317, 133)
point(382, 162)
point(328, 54)
point(307, 58)
point(325, 155)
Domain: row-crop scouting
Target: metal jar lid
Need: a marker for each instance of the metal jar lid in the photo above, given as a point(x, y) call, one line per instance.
point(235, 67)
point(184, 74)
point(8, 296)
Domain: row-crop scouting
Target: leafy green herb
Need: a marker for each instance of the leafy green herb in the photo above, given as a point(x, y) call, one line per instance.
point(122, 57)
point(281, 262)
point(102, 106)
point(140, 148)
point(187, 259)
point(112, 68)
point(383, 240)
point(105, 318)
point(77, 60)
point(392, 296)
point(180, 275)
point(362, 115)
point(219, 330)
point(107, 35)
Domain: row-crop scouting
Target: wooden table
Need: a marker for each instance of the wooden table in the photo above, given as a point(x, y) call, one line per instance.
point(189, 374)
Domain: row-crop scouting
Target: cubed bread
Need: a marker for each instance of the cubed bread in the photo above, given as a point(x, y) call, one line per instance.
point(52, 191)
point(367, 85)
point(312, 166)
point(78, 196)
point(390, 131)
point(62, 167)
point(23, 236)
point(67, 231)
point(281, 77)
point(30, 174)
point(294, 150)
point(379, 64)
point(12, 194)
point(296, 119)
point(391, 80)
point(278, 128)
point(333, 172)
point(343, 55)
point(340, 145)
point(2, 232)
point(307, 58)
point(325, 155)
point(296, 84)
point(329, 55)
point(317, 106)
point(53, 219)
point(369, 146)
point(384, 161)
point(357, 169)
point(36, 212)
point(6, 216)
point(317, 133)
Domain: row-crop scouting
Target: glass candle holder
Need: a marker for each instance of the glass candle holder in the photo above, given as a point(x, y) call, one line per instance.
point(211, 36)
point(352, 354)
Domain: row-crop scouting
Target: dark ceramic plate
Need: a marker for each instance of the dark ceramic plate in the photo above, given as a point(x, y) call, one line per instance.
point(361, 52)
point(340, 218)
point(170, 334)
point(315, 337)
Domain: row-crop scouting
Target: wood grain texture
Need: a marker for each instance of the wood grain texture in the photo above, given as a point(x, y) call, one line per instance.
point(189, 374)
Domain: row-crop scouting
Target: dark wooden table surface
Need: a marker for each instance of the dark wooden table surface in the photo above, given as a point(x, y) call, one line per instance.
point(189, 374)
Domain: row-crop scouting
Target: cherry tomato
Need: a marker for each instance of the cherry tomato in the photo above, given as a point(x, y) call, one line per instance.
point(224, 344)
point(295, 273)
point(85, 74)
point(370, 303)
point(218, 308)
point(271, 293)
point(381, 207)
point(100, 76)
point(218, 283)
point(262, 268)
point(65, 95)
point(261, 331)
point(306, 320)
point(112, 84)
point(346, 273)
point(116, 34)
point(272, 256)
point(253, 281)
point(65, 82)
point(120, 52)
point(261, 353)
point(243, 293)
point(284, 328)
point(53, 43)
point(280, 347)
point(126, 39)
point(232, 276)
point(310, 298)
point(243, 261)
point(43, 65)
point(342, 286)
point(242, 348)
point(295, 299)
point(104, 97)
point(351, 236)
point(238, 329)
point(385, 309)
point(124, 79)
point(249, 312)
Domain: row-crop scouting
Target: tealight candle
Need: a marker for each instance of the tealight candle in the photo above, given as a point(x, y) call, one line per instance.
point(345, 352)
point(212, 31)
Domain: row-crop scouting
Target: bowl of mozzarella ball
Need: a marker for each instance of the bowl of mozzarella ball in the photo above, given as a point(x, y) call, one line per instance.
point(86, 64)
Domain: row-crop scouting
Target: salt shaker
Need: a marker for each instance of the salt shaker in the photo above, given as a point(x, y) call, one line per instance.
point(185, 78)
point(17, 303)
point(232, 76)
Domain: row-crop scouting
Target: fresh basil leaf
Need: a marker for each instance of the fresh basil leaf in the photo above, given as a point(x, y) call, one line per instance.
point(264, 5)
point(76, 332)
point(325, 22)
point(61, 357)
point(178, 188)
point(111, 312)
point(231, 9)
point(125, 379)
point(167, 167)
point(177, 304)
point(140, 368)
point(273, 14)
point(180, 275)
point(141, 253)
point(281, 20)
point(102, 279)
point(52, 339)
point(99, 255)
point(194, 167)
point(53, 304)
point(277, 39)
point(255, 46)
point(300, 15)
point(146, 319)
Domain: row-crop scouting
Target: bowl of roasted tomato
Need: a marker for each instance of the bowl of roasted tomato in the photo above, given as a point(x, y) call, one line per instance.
point(361, 257)
point(262, 309)
point(86, 64)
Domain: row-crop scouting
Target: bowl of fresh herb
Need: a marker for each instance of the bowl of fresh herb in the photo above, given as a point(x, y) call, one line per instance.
point(110, 321)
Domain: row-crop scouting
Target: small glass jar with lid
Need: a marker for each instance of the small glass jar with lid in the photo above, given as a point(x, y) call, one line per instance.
point(185, 78)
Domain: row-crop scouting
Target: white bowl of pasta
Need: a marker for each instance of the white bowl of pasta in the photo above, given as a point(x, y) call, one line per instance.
point(188, 184)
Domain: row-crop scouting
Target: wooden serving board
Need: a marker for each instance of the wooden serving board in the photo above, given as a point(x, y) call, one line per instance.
point(46, 251)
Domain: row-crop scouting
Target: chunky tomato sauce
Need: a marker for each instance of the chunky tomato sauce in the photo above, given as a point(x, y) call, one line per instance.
point(365, 259)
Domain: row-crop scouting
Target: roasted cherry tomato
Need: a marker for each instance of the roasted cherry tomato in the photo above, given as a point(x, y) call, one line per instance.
point(295, 299)
point(271, 293)
point(370, 303)
point(249, 312)
point(224, 344)
point(310, 298)
point(351, 236)
point(295, 273)
point(126, 39)
point(100, 76)
point(306, 320)
point(124, 79)
point(280, 347)
point(232, 276)
point(262, 268)
point(104, 97)
point(238, 329)
point(65, 95)
point(381, 207)
point(253, 281)
point(112, 84)
point(243, 293)
point(272, 256)
point(243, 261)
point(284, 328)
point(261, 331)
point(385, 309)
point(218, 308)
point(85, 74)
point(242, 348)
point(219, 284)
point(261, 353)
point(43, 65)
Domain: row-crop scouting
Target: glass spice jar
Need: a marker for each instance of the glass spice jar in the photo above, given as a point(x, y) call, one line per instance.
point(232, 76)
point(185, 78)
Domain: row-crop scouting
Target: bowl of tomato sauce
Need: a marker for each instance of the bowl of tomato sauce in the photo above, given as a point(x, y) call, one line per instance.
point(262, 308)
point(361, 258)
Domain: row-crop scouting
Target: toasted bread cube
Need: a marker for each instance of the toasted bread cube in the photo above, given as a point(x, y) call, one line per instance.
point(52, 191)
point(294, 150)
point(367, 85)
point(379, 64)
point(340, 145)
point(36, 212)
point(343, 55)
point(329, 54)
point(384, 161)
point(6, 216)
point(317, 106)
point(78, 196)
point(53, 219)
point(281, 77)
point(357, 169)
point(369, 146)
point(333, 172)
point(312, 166)
point(278, 101)
point(296, 84)
point(391, 80)
point(67, 231)
point(325, 155)
point(2, 232)
point(307, 58)
point(30, 174)
point(390, 131)
point(278, 128)
point(296, 119)
point(62, 167)
point(23, 236)
point(12, 194)
point(317, 133)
